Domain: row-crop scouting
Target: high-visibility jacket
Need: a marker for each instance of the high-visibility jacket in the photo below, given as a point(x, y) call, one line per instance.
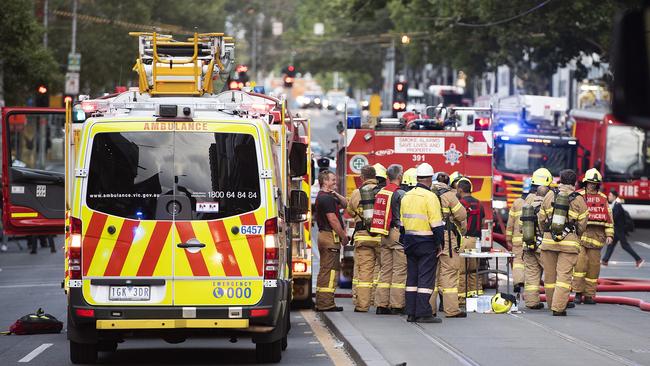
point(513, 227)
point(600, 223)
point(382, 211)
point(420, 211)
point(578, 215)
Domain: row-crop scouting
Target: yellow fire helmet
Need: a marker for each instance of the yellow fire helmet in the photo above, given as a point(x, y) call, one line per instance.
point(380, 171)
point(542, 177)
point(461, 178)
point(592, 176)
point(502, 303)
point(454, 178)
point(410, 177)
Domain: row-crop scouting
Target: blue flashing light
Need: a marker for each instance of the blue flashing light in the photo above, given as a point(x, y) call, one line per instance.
point(354, 122)
point(139, 214)
point(511, 128)
point(258, 89)
point(79, 115)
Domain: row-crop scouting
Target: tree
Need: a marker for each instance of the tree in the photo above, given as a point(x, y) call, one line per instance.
point(24, 62)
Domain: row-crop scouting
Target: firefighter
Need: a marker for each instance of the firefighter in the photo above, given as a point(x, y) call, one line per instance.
point(455, 218)
point(409, 180)
point(475, 217)
point(423, 234)
point(600, 231)
point(331, 237)
point(513, 237)
point(454, 178)
point(389, 296)
point(380, 171)
point(381, 177)
point(366, 246)
point(563, 215)
point(540, 187)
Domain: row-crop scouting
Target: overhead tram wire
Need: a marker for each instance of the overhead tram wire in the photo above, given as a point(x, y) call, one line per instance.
point(506, 20)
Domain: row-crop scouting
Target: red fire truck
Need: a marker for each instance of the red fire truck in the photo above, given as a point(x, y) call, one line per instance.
point(620, 152)
point(32, 170)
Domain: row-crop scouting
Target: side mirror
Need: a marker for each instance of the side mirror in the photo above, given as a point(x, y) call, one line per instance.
point(631, 67)
point(298, 159)
point(313, 172)
point(323, 163)
point(298, 206)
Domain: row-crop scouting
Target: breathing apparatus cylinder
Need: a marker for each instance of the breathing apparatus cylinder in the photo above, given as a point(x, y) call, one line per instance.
point(367, 205)
point(560, 214)
point(528, 218)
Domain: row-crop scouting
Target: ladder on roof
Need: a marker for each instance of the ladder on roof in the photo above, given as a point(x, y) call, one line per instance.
point(166, 66)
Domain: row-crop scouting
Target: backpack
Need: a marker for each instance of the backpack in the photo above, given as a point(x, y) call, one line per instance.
point(629, 223)
point(474, 219)
point(36, 323)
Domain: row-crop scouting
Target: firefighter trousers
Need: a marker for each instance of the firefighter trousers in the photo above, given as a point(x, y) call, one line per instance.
point(586, 272)
point(474, 286)
point(421, 262)
point(366, 251)
point(392, 273)
point(518, 266)
point(532, 276)
point(447, 285)
point(328, 274)
point(558, 271)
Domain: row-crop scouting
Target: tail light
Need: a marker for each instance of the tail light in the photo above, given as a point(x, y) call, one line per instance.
point(271, 250)
point(299, 267)
point(257, 313)
point(74, 250)
point(483, 123)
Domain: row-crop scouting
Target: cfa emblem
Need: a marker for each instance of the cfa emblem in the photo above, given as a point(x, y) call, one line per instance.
point(452, 156)
point(218, 292)
point(357, 162)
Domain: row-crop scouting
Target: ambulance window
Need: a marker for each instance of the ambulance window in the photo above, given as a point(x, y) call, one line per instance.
point(128, 174)
point(218, 173)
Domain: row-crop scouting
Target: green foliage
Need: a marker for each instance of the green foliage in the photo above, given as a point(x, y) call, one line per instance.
point(23, 60)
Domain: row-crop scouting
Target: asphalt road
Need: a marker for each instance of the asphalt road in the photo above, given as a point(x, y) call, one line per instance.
point(29, 282)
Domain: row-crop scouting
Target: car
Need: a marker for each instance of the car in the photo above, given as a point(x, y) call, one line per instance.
point(311, 100)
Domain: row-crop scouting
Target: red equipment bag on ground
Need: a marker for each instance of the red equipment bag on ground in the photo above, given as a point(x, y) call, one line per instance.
point(37, 323)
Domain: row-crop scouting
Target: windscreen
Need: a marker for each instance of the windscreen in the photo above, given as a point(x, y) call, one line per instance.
point(186, 176)
point(625, 155)
point(36, 141)
point(524, 158)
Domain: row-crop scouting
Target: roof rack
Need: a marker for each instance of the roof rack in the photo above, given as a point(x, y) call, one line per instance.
point(169, 67)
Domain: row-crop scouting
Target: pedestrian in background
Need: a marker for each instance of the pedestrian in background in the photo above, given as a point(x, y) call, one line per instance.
point(620, 233)
point(331, 237)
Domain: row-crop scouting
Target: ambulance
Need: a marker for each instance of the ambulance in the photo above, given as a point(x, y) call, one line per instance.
point(182, 206)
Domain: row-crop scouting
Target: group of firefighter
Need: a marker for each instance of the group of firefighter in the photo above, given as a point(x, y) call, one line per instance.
point(410, 228)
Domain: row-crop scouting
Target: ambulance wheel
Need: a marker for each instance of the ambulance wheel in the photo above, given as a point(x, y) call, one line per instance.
point(269, 352)
point(83, 352)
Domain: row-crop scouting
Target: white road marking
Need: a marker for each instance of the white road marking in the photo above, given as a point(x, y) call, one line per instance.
point(31, 355)
point(31, 285)
point(647, 246)
point(621, 263)
point(579, 342)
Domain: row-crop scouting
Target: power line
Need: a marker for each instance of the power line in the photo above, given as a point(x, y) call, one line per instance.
point(498, 22)
point(148, 27)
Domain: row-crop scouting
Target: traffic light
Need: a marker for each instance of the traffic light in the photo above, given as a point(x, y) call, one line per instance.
point(289, 76)
point(67, 98)
point(399, 97)
point(42, 96)
point(291, 71)
point(288, 81)
point(234, 84)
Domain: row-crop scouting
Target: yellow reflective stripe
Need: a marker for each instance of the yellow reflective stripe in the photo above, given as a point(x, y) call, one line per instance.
point(383, 285)
point(508, 232)
point(24, 214)
point(579, 274)
point(364, 284)
point(446, 210)
point(435, 289)
point(457, 207)
point(450, 290)
point(573, 214)
point(563, 284)
point(583, 215)
point(332, 278)
point(534, 287)
point(367, 238)
point(517, 240)
point(548, 210)
point(414, 216)
point(518, 265)
point(549, 285)
point(589, 240)
point(397, 285)
point(424, 290)
point(470, 293)
point(563, 242)
point(514, 213)
point(609, 232)
point(324, 289)
point(592, 280)
point(598, 223)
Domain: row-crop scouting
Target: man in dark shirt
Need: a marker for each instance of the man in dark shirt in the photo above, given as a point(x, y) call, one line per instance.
point(475, 216)
point(619, 231)
point(331, 236)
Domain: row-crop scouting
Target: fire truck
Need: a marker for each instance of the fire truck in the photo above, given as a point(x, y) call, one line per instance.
point(186, 210)
point(32, 170)
point(619, 152)
point(415, 140)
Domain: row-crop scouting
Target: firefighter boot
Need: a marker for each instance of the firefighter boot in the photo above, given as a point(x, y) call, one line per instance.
point(578, 298)
point(589, 300)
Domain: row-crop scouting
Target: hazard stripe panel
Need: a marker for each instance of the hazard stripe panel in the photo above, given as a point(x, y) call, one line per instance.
point(91, 234)
point(155, 246)
point(121, 248)
point(196, 260)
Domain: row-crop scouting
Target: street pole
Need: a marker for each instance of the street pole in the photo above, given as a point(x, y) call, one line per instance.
point(73, 47)
point(45, 13)
point(254, 50)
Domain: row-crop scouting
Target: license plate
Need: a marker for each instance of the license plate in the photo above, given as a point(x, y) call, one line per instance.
point(129, 293)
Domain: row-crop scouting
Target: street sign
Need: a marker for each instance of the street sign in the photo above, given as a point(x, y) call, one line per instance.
point(277, 28)
point(72, 83)
point(74, 62)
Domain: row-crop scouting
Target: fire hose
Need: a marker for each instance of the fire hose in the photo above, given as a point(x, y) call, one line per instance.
point(619, 285)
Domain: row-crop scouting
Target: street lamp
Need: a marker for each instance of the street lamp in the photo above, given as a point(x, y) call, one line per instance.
point(406, 39)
